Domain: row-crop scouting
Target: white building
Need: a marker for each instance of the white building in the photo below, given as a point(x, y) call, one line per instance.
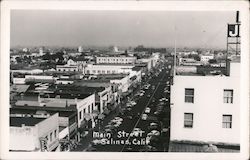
point(107, 69)
point(206, 58)
point(85, 106)
point(116, 60)
point(34, 134)
point(80, 49)
point(206, 109)
point(66, 68)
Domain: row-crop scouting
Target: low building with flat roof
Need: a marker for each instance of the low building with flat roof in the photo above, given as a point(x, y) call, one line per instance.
point(34, 134)
point(67, 121)
point(116, 59)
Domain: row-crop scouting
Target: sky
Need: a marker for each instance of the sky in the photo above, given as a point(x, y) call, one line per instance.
point(204, 29)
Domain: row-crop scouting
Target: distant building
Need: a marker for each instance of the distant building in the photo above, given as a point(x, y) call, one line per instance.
point(206, 58)
point(80, 49)
point(96, 69)
point(202, 105)
point(34, 134)
point(41, 52)
point(67, 68)
point(188, 62)
point(116, 60)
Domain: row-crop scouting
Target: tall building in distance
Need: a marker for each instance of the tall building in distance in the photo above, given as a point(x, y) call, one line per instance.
point(80, 49)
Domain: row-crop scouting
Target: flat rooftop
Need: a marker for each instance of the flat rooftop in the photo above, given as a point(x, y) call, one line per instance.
point(27, 121)
point(35, 110)
point(92, 83)
point(115, 55)
point(111, 76)
point(113, 64)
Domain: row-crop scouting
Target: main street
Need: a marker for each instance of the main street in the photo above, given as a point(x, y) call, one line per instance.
point(153, 89)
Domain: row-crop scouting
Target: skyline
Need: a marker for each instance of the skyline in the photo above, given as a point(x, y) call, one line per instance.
point(203, 29)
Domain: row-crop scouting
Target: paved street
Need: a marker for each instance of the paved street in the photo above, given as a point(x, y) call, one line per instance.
point(132, 118)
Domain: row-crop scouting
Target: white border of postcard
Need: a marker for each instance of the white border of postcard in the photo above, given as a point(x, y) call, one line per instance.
point(7, 6)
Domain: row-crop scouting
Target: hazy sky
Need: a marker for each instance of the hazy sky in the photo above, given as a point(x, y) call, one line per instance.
point(120, 28)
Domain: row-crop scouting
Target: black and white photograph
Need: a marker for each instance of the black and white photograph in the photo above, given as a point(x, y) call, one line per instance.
point(114, 80)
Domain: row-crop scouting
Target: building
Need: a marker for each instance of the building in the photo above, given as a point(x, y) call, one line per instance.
point(189, 62)
point(68, 131)
point(80, 49)
point(116, 60)
point(205, 110)
point(205, 58)
point(103, 92)
point(67, 68)
point(96, 69)
point(63, 96)
point(34, 134)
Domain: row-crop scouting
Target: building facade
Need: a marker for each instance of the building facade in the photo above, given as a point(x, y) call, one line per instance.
point(206, 109)
point(34, 133)
point(116, 60)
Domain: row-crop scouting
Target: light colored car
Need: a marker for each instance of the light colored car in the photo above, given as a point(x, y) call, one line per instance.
point(96, 141)
point(118, 119)
point(153, 124)
point(147, 110)
point(133, 103)
point(144, 117)
point(154, 132)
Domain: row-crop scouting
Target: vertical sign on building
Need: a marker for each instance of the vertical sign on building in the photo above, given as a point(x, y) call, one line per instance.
point(233, 40)
point(233, 37)
point(43, 144)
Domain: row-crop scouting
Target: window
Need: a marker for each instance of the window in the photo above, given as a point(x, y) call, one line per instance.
point(55, 134)
point(227, 121)
point(188, 120)
point(189, 95)
point(99, 71)
point(84, 110)
point(92, 108)
point(88, 109)
point(51, 136)
point(80, 115)
point(228, 96)
point(93, 71)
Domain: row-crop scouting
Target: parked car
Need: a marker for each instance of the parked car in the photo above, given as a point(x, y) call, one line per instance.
point(153, 133)
point(147, 110)
point(144, 117)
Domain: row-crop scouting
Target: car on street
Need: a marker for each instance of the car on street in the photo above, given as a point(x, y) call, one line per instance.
point(144, 116)
point(153, 133)
point(147, 110)
point(96, 142)
point(133, 103)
